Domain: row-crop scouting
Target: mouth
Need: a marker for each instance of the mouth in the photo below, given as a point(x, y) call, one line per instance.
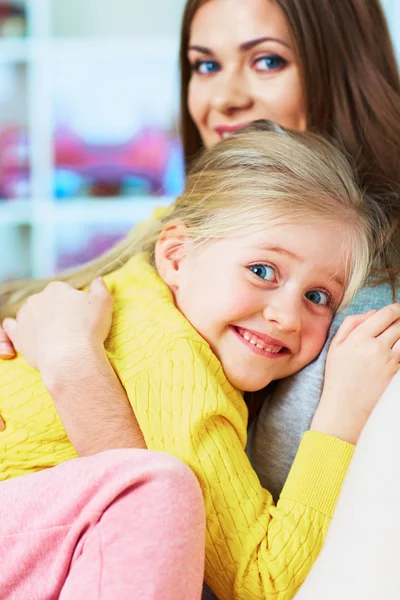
point(261, 344)
point(225, 131)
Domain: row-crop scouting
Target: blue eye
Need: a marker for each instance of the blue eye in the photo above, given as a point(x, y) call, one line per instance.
point(318, 297)
point(263, 272)
point(270, 62)
point(204, 67)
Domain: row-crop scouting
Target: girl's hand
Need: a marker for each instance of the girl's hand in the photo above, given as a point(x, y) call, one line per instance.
point(60, 323)
point(362, 359)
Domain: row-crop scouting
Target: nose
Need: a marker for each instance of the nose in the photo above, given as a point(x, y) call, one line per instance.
point(284, 310)
point(231, 93)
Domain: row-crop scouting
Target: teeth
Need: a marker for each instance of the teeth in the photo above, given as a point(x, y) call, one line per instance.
point(255, 341)
point(273, 350)
point(226, 134)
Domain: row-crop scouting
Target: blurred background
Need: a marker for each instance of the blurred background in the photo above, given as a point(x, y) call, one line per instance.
point(88, 125)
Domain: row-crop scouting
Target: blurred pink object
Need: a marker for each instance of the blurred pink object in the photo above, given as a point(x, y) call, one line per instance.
point(14, 163)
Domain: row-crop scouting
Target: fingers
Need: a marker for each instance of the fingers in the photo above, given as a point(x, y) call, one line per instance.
point(6, 352)
point(396, 348)
point(349, 324)
point(391, 335)
point(6, 347)
point(381, 320)
point(9, 330)
point(99, 289)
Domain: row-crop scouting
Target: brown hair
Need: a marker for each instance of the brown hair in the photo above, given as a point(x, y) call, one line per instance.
point(351, 85)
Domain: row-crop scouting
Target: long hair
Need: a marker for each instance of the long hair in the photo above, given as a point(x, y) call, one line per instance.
point(351, 85)
point(259, 178)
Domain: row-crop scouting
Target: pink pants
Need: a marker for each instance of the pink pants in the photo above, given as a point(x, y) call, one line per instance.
point(124, 524)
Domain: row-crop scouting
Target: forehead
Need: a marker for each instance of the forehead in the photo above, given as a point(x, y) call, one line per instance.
point(318, 248)
point(218, 22)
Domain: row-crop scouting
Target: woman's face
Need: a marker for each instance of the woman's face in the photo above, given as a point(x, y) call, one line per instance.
point(243, 68)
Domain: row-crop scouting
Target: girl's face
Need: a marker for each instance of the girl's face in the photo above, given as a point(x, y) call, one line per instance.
point(244, 68)
point(264, 301)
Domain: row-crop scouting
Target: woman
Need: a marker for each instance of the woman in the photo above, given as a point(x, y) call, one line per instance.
point(325, 66)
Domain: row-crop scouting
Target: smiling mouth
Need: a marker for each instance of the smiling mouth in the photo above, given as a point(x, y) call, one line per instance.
point(228, 130)
point(260, 346)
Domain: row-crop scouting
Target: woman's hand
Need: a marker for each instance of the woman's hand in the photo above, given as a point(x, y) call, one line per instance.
point(59, 323)
point(362, 359)
point(7, 349)
point(61, 332)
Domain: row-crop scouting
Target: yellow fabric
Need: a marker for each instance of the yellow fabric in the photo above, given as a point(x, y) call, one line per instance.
point(186, 406)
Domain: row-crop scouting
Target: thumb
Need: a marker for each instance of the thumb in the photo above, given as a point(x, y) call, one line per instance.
point(100, 294)
point(98, 286)
point(6, 347)
point(350, 324)
point(10, 328)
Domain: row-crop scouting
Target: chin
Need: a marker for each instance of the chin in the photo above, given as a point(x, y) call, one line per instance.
point(245, 383)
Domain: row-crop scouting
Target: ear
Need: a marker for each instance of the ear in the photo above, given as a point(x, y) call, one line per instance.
point(171, 249)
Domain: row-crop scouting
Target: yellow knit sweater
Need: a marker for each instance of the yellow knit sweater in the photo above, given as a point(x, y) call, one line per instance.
point(186, 406)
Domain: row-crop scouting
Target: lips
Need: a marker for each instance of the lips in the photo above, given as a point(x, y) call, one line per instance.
point(225, 131)
point(261, 343)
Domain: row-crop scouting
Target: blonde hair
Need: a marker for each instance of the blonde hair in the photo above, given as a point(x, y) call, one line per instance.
point(261, 177)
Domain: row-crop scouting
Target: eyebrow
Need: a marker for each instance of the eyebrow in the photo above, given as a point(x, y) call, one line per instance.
point(244, 47)
point(283, 251)
point(279, 250)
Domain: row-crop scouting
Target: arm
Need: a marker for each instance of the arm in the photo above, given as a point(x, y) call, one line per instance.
point(256, 550)
point(61, 332)
point(83, 388)
point(253, 549)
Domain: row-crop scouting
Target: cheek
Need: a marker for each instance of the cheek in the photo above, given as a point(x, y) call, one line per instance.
point(196, 102)
point(211, 312)
point(285, 101)
point(315, 338)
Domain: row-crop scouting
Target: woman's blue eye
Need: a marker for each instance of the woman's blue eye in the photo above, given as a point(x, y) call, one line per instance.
point(204, 67)
point(263, 271)
point(270, 62)
point(318, 297)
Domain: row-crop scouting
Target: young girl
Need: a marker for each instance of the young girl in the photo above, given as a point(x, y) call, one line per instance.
point(235, 288)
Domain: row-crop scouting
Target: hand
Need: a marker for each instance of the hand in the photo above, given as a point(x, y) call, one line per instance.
point(7, 350)
point(362, 359)
point(60, 323)
point(61, 332)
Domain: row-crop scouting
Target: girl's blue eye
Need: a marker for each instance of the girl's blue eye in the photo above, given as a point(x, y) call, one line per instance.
point(204, 67)
point(270, 62)
point(318, 297)
point(263, 272)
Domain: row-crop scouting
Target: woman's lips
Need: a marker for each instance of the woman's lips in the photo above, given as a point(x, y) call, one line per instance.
point(225, 131)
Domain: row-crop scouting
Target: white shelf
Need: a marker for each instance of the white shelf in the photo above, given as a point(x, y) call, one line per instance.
point(15, 50)
point(16, 212)
point(95, 211)
point(105, 211)
point(30, 227)
point(89, 49)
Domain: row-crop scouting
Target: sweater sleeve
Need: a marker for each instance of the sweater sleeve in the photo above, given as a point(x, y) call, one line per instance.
point(254, 550)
